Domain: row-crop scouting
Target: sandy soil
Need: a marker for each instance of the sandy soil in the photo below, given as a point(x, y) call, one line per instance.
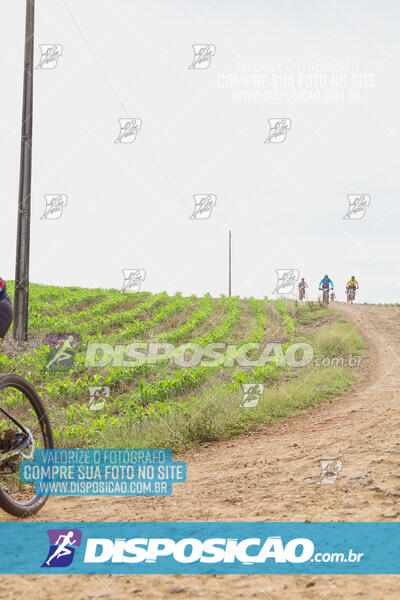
point(269, 476)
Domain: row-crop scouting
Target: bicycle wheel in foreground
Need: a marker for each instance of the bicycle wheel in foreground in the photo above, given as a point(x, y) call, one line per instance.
point(24, 427)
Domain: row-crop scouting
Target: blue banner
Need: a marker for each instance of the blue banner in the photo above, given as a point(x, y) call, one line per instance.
point(193, 548)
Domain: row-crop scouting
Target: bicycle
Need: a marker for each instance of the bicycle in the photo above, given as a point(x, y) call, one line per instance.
point(19, 402)
point(325, 295)
point(351, 294)
point(302, 293)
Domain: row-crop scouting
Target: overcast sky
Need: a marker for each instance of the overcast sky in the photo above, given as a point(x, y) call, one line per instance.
point(331, 68)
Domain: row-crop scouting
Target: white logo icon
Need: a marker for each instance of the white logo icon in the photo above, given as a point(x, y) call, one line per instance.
point(203, 205)
point(358, 204)
point(287, 279)
point(97, 397)
point(330, 469)
point(203, 54)
point(50, 53)
point(133, 279)
point(278, 129)
point(128, 129)
point(252, 393)
point(55, 204)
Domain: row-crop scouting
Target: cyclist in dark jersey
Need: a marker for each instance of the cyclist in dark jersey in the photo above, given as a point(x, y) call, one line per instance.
point(6, 311)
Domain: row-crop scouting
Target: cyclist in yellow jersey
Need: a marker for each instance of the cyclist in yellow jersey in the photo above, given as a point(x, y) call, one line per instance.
point(352, 283)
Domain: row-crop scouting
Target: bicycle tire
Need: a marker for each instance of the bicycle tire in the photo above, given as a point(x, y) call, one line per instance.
point(7, 503)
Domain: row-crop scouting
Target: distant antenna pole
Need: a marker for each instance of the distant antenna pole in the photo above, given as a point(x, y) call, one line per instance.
point(230, 263)
point(24, 200)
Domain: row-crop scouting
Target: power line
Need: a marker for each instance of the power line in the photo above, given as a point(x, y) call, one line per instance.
point(96, 59)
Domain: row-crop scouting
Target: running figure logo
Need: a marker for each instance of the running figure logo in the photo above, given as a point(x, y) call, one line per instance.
point(55, 204)
point(203, 205)
point(50, 53)
point(252, 393)
point(358, 204)
point(278, 129)
point(63, 350)
point(62, 547)
point(330, 469)
point(287, 278)
point(97, 397)
point(133, 279)
point(203, 53)
point(128, 129)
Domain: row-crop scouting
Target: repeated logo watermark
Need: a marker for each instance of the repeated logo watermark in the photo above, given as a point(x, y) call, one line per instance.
point(128, 130)
point(203, 54)
point(278, 129)
point(65, 346)
point(215, 354)
point(358, 204)
point(330, 469)
point(252, 393)
point(133, 279)
point(50, 53)
point(190, 354)
point(98, 397)
point(203, 205)
point(277, 80)
point(63, 349)
point(55, 204)
point(286, 281)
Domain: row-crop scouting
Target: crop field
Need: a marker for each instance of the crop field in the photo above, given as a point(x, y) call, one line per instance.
point(164, 403)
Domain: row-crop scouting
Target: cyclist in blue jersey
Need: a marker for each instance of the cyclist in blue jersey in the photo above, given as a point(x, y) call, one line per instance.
point(325, 283)
point(324, 286)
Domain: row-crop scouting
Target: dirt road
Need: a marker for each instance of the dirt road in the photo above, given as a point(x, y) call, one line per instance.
point(269, 476)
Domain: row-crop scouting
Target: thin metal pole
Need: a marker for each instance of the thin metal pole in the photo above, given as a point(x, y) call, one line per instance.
point(24, 200)
point(230, 263)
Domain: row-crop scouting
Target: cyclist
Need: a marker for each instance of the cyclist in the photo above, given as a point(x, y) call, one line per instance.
point(352, 283)
point(6, 311)
point(302, 288)
point(325, 283)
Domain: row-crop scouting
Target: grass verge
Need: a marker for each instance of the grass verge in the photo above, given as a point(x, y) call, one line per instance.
point(217, 415)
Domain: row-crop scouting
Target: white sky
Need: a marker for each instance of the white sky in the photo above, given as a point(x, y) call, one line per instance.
point(129, 204)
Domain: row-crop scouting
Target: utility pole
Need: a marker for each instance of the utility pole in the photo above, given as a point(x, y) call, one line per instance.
point(230, 263)
point(24, 200)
